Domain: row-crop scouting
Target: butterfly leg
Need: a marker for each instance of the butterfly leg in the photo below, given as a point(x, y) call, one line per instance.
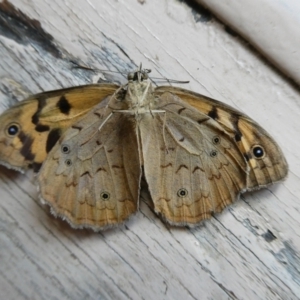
point(164, 131)
point(106, 119)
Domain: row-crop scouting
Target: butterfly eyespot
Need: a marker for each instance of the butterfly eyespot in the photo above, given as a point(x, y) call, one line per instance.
point(258, 151)
point(213, 153)
point(105, 196)
point(182, 193)
point(216, 140)
point(65, 148)
point(68, 162)
point(12, 129)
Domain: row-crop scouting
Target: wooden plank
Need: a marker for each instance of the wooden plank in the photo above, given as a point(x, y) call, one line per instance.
point(250, 251)
point(265, 25)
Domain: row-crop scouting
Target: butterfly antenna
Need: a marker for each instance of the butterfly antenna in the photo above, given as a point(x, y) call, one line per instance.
point(140, 73)
point(87, 68)
point(170, 80)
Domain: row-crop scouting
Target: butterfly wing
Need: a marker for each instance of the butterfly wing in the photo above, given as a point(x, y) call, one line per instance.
point(91, 177)
point(266, 161)
point(30, 129)
point(194, 165)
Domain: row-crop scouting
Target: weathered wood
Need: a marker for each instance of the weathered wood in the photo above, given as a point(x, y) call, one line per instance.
point(270, 26)
point(250, 251)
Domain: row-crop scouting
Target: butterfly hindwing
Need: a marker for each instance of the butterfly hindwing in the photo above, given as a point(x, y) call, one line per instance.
point(192, 166)
point(91, 177)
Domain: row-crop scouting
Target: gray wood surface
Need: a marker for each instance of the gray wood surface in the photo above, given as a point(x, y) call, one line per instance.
point(250, 251)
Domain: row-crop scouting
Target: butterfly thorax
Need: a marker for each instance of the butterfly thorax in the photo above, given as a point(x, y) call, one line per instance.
point(140, 97)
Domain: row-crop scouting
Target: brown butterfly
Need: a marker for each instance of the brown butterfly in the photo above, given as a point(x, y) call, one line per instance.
point(94, 142)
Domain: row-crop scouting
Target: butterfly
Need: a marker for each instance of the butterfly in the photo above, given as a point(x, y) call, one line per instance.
point(90, 146)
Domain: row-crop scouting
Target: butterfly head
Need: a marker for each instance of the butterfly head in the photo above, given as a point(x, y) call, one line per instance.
point(139, 96)
point(139, 75)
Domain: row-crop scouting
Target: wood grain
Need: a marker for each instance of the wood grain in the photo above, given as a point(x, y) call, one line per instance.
point(250, 251)
point(264, 31)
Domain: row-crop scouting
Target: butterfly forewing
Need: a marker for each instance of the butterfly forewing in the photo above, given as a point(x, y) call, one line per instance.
point(265, 169)
point(40, 120)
